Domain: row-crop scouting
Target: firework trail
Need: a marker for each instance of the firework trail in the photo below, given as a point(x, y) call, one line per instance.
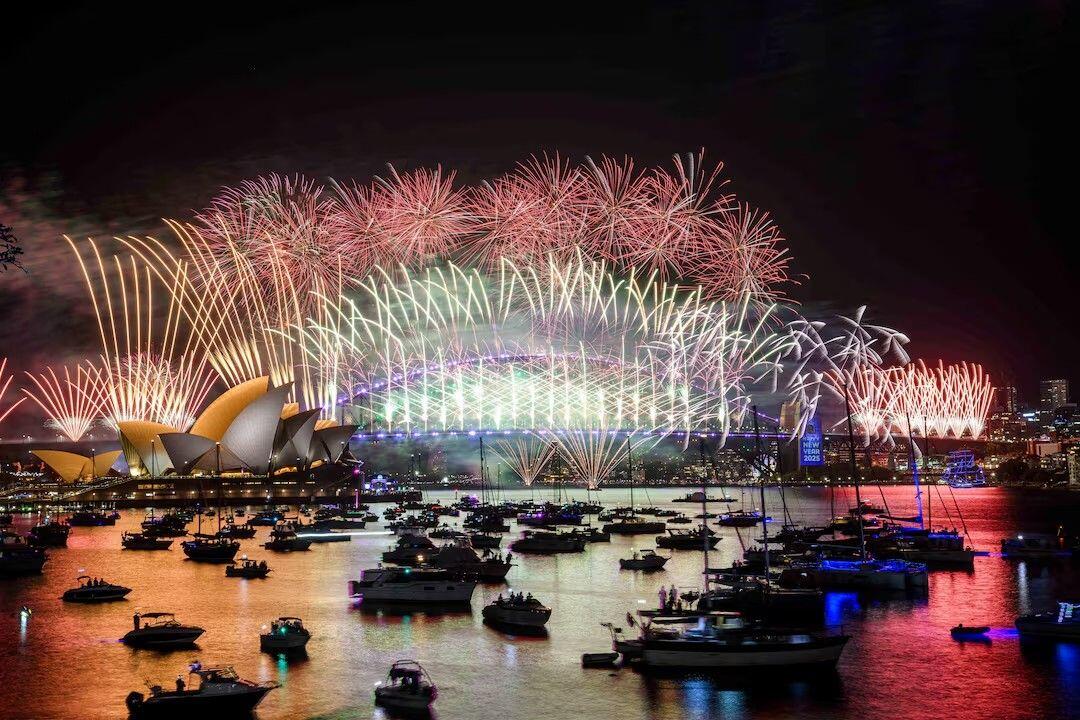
point(526, 455)
point(71, 405)
point(5, 383)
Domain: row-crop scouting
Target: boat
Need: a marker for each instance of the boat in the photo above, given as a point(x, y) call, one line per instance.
point(266, 518)
point(943, 548)
point(142, 541)
point(237, 532)
point(460, 558)
point(94, 590)
point(679, 519)
point(421, 586)
point(411, 549)
point(50, 534)
point(517, 611)
point(407, 688)
point(643, 560)
point(209, 548)
point(542, 542)
point(633, 526)
point(599, 660)
point(592, 534)
point(740, 518)
point(697, 497)
point(91, 518)
point(285, 539)
point(869, 574)
point(160, 630)
point(249, 569)
point(1035, 546)
point(1061, 625)
point(688, 539)
point(721, 640)
point(220, 692)
point(483, 541)
point(286, 633)
point(969, 631)
point(17, 557)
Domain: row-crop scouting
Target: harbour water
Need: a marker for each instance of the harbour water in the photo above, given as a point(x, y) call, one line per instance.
point(66, 661)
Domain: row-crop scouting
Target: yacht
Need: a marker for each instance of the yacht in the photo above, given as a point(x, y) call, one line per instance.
point(268, 518)
point(50, 534)
point(482, 541)
point(93, 590)
point(19, 558)
point(285, 539)
point(740, 518)
point(220, 692)
point(518, 612)
point(542, 542)
point(688, 539)
point(232, 531)
point(869, 574)
point(935, 548)
point(407, 688)
point(461, 559)
point(209, 548)
point(286, 633)
point(1061, 625)
point(634, 526)
point(91, 518)
point(1035, 546)
point(643, 560)
point(411, 586)
point(411, 550)
point(160, 630)
point(724, 640)
point(142, 541)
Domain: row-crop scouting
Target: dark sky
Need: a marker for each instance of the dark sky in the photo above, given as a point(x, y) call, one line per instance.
point(919, 157)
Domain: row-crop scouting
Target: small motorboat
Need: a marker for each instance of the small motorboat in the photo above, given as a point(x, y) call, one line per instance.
point(94, 590)
point(50, 534)
point(407, 688)
point(520, 612)
point(599, 660)
point(161, 630)
point(285, 539)
point(969, 631)
point(248, 569)
point(207, 548)
point(220, 692)
point(286, 634)
point(643, 560)
point(143, 541)
point(237, 532)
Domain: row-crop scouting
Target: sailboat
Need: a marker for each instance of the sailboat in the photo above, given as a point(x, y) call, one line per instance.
point(211, 548)
point(630, 524)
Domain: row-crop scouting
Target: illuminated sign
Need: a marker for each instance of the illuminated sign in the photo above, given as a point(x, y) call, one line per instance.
point(811, 451)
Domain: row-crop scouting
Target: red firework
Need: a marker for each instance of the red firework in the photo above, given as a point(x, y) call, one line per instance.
point(744, 256)
point(419, 214)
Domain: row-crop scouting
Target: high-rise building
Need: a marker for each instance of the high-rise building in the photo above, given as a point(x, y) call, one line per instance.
point(789, 415)
point(1053, 394)
point(1073, 455)
point(1007, 399)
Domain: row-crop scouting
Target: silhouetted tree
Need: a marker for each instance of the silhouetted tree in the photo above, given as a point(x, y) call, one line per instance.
point(10, 250)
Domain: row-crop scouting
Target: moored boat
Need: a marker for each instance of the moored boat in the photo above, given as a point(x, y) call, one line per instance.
point(209, 548)
point(1064, 624)
point(249, 569)
point(517, 611)
point(17, 557)
point(548, 543)
point(407, 688)
point(160, 630)
point(411, 586)
point(643, 560)
point(142, 541)
point(220, 692)
point(94, 590)
point(285, 634)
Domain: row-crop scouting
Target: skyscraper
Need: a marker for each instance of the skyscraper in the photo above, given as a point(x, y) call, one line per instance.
point(1007, 399)
point(1053, 394)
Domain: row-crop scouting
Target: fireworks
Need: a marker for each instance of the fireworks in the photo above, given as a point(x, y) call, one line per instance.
point(5, 383)
point(149, 368)
point(71, 404)
point(525, 455)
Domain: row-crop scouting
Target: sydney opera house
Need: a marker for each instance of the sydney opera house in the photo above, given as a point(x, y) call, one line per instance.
point(248, 443)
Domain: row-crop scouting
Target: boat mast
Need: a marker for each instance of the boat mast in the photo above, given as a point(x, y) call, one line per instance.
point(704, 511)
point(483, 495)
point(630, 467)
point(761, 469)
point(217, 448)
point(854, 472)
point(914, 469)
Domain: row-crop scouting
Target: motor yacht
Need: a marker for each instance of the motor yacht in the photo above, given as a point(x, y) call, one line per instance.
point(50, 533)
point(94, 590)
point(160, 630)
point(634, 526)
point(411, 549)
point(411, 586)
point(285, 539)
point(142, 541)
point(517, 611)
point(220, 692)
point(740, 518)
point(459, 557)
point(407, 688)
point(1061, 625)
point(725, 640)
point(1035, 546)
point(643, 560)
point(209, 548)
point(694, 539)
point(91, 518)
point(286, 633)
point(17, 557)
point(542, 542)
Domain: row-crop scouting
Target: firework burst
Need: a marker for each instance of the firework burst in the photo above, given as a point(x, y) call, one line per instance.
point(5, 383)
point(71, 404)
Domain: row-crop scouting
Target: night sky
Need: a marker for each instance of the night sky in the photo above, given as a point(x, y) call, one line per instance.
point(918, 157)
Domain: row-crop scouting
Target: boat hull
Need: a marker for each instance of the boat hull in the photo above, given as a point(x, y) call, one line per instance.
point(439, 592)
point(163, 640)
point(676, 655)
point(1047, 629)
point(222, 704)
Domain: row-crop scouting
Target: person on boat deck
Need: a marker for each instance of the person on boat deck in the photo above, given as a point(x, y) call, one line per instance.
point(663, 597)
point(509, 557)
point(179, 683)
point(672, 595)
point(135, 617)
